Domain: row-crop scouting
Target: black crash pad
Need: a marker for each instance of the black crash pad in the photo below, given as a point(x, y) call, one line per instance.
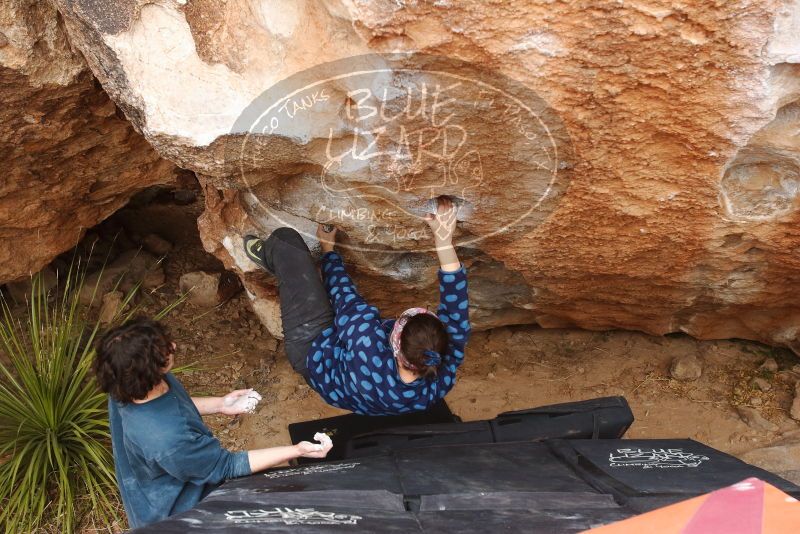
point(665, 470)
point(517, 521)
point(523, 466)
point(555, 486)
point(413, 437)
point(344, 427)
point(466, 477)
point(374, 473)
point(219, 515)
point(603, 418)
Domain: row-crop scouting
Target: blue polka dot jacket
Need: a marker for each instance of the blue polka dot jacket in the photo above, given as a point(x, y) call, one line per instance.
point(351, 363)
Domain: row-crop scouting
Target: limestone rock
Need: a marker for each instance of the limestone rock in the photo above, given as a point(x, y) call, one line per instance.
point(21, 291)
point(267, 308)
point(761, 384)
point(794, 411)
point(686, 367)
point(201, 288)
point(184, 197)
point(781, 457)
point(129, 269)
point(769, 365)
point(755, 420)
point(111, 306)
point(270, 343)
point(156, 244)
point(70, 159)
point(670, 133)
point(206, 290)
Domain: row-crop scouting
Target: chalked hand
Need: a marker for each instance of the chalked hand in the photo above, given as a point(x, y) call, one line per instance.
point(240, 401)
point(323, 441)
point(443, 221)
point(316, 450)
point(326, 233)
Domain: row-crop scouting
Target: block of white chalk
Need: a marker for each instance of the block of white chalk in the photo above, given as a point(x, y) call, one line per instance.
point(246, 403)
point(323, 439)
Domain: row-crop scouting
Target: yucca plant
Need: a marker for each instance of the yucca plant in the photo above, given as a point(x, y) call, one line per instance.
point(56, 466)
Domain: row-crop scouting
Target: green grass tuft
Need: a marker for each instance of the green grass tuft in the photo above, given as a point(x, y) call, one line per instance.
point(55, 461)
point(56, 466)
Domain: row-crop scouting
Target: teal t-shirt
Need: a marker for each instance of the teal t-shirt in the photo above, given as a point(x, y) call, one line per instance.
point(165, 457)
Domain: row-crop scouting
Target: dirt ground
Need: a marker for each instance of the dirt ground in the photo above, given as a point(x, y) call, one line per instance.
point(509, 369)
point(505, 369)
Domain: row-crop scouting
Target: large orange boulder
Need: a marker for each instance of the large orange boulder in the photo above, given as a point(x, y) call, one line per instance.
point(70, 158)
point(617, 164)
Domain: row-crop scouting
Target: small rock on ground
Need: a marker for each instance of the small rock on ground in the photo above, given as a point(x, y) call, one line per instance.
point(156, 244)
point(130, 268)
point(769, 365)
point(755, 420)
point(781, 457)
point(21, 291)
point(202, 288)
point(112, 302)
point(794, 411)
point(686, 367)
point(206, 290)
point(761, 384)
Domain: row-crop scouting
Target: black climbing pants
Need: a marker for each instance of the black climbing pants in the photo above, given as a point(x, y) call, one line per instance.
point(305, 308)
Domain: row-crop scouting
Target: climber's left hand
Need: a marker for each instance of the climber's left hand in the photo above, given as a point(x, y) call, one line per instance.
point(443, 223)
point(326, 239)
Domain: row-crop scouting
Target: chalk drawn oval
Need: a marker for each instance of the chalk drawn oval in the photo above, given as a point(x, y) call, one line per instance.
point(367, 142)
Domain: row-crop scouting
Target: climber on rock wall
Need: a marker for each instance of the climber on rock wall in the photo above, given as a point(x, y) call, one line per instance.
point(339, 343)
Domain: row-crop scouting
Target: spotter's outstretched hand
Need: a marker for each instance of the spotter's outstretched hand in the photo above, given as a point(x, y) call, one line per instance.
point(240, 401)
point(316, 450)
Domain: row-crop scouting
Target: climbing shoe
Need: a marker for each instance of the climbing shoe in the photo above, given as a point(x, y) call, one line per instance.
point(254, 248)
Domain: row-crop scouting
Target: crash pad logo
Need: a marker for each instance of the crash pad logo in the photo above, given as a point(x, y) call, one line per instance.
point(367, 143)
point(654, 458)
point(291, 516)
point(311, 470)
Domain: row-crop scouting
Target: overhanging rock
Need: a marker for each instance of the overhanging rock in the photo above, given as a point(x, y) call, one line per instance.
point(677, 206)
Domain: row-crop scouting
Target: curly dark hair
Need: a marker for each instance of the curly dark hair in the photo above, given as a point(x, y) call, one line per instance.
point(131, 358)
point(424, 336)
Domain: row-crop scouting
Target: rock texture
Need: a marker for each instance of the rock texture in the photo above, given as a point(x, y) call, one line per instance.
point(780, 457)
point(794, 410)
point(69, 158)
point(675, 124)
point(686, 367)
point(131, 268)
point(206, 290)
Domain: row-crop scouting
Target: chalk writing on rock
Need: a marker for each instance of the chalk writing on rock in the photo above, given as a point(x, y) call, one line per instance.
point(375, 138)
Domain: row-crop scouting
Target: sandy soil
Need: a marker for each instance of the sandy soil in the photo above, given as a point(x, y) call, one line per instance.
point(505, 369)
point(516, 368)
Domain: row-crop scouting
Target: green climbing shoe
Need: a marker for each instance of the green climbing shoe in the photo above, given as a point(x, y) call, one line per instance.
point(254, 248)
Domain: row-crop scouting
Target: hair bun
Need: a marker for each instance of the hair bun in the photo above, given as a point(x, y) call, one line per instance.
point(432, 358)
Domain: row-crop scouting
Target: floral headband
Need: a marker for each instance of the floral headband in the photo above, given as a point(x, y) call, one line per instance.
point(432, 358)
